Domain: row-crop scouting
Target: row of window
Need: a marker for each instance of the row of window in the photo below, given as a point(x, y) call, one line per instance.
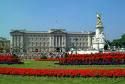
point(38, 43)
point(38, 35)
point(35, 39)
point(78, 39)
point(78, 44)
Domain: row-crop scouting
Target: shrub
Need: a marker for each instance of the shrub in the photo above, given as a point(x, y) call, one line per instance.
point(44, 57)
point(9, 59)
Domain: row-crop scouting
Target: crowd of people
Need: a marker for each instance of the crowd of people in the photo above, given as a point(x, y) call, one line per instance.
point(42, 55)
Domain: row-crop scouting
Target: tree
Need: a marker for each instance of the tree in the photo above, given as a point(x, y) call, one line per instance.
point(106, 47)
point(119, 42)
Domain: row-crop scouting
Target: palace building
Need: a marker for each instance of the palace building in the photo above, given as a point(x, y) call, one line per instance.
point(56, 39)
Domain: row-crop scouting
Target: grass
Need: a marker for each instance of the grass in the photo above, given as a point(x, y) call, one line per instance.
point(10, 79)
point(54, 65)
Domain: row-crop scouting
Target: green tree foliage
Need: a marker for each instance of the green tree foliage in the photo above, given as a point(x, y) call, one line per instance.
point(119, 42)
point(106, 47)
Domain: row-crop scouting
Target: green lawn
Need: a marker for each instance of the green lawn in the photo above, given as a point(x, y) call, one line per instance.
point(9, 79)
point(53, 65)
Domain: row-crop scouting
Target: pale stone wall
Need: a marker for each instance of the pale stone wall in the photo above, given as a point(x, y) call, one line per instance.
point(49, 41)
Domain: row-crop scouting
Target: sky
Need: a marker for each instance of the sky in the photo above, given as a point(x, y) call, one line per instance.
point(72, 15)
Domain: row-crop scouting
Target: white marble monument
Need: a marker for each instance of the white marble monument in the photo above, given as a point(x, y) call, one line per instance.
point(99, 39)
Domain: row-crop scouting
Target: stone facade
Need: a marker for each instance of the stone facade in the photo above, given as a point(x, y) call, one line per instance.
point(52, 40)
point(4, 45)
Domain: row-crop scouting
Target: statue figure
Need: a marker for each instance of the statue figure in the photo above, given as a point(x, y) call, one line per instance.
point(99, 22)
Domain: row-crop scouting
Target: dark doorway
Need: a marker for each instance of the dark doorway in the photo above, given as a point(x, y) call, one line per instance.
point(57, 49)
point(36, 50)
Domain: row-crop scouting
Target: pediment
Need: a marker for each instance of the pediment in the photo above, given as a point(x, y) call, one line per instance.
point(16, 32)
point(58, 32)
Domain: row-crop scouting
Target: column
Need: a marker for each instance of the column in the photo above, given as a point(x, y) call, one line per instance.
point(55, 41)
point(89, 41)
point(59, 41)
point(62, 41)
point(12, 41)
point(21, 40)
point(50, 41)
point(17, 41)
point(19, 37)
point(22, 43)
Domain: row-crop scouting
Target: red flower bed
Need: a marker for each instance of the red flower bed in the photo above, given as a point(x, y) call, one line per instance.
point(100, 58)
point(8, 59)
point(64, 72)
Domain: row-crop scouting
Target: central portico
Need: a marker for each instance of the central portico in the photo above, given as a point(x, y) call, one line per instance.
point(57, 39)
